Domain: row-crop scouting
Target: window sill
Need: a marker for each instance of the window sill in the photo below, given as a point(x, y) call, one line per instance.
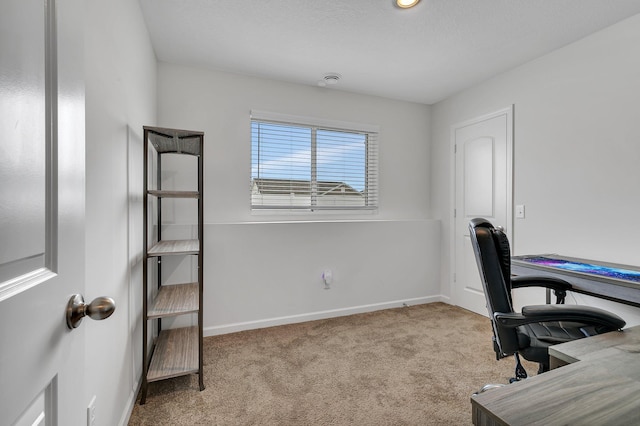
point(299, 212)
point(284, 215)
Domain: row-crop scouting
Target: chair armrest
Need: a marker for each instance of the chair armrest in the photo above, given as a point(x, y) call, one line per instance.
point(548, 282)
point(558, 285)
point(541, 313)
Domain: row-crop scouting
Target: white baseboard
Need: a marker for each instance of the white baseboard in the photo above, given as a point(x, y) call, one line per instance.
point(312, 316)
point(131, 401)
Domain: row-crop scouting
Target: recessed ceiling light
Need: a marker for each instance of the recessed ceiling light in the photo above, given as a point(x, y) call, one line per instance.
point(406, 4)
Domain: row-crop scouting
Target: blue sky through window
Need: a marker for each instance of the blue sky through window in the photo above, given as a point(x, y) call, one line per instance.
point(341, 157)
point(283, 151)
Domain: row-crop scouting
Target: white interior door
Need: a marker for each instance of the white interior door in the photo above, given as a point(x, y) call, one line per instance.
point(41, 211)
point(483, 188)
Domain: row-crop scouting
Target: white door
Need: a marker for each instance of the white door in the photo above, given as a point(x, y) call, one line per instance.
point(41, 211)
point(483, 188)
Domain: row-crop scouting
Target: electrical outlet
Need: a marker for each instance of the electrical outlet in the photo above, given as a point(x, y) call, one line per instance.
point(91, 412)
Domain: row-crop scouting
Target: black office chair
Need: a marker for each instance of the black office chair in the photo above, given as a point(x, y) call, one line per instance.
point(531, 332)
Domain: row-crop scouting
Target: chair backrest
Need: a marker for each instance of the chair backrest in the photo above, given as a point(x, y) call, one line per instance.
point(493, 256)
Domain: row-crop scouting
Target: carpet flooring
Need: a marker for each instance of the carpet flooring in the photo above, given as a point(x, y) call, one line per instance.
point(414, 365)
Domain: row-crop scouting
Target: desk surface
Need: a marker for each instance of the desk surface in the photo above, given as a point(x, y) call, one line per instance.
point(620, 283)
point(601, 387)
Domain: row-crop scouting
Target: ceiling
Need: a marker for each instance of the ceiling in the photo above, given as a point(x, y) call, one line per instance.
point(424, 54)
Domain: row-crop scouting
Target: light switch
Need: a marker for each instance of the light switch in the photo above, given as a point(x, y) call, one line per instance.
point(520, 211)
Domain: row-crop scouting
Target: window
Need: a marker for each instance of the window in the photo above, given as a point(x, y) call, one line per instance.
point(300, 163)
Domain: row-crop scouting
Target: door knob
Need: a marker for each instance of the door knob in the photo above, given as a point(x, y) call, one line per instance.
point(99, 309)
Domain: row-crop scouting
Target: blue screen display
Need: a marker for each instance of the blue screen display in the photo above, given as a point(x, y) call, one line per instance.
point(586, 268)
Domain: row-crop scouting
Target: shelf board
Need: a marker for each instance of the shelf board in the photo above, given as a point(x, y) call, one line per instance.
point(173, 300)
point(174, 247)
point(175, 354)
point(173, 194)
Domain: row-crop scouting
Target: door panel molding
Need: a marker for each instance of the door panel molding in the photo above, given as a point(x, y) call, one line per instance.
point(477, 179)
point(29, 166)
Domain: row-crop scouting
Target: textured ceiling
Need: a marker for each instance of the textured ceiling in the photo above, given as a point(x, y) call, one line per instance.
point(424, 54)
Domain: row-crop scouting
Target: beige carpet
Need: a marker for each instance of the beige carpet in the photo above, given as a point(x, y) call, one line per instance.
point(408, 366)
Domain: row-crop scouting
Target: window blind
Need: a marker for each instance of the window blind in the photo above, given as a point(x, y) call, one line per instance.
point(300, 163)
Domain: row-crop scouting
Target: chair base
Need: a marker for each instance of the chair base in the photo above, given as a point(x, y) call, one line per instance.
point(521, 373)
point(489, 387)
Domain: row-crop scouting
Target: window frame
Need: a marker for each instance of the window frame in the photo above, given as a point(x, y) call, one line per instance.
point(371, 184)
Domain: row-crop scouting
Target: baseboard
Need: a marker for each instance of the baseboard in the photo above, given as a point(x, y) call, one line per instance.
point(131, 401)
point(445, 299)
point(312, 316)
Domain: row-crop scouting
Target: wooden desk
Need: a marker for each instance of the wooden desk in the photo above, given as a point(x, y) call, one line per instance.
point(615, 288)
point(599, 386)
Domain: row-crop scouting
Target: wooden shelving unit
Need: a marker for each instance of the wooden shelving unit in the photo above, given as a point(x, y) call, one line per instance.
point(170, 352)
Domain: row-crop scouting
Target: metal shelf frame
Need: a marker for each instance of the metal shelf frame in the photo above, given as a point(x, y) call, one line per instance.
point(177, 351)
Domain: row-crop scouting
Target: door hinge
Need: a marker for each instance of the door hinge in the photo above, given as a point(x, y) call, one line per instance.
point(454, 277)
point(455, 148)
point(455, 212)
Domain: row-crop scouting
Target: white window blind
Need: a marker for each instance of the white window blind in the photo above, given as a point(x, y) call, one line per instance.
point(300, 163)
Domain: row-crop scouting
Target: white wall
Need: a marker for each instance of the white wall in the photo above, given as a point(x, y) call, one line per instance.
point(120, 69)
point(375, 265)
point(379, 260)
point(576, 151)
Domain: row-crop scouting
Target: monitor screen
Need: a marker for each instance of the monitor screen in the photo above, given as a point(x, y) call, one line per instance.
point(586, 268)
